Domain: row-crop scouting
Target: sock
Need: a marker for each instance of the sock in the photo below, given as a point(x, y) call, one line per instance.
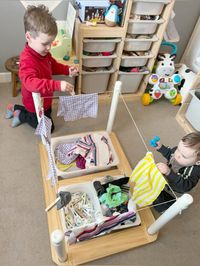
point(10, 111)
point(16, 122)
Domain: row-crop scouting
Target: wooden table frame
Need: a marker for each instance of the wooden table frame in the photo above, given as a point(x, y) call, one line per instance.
point(102, 246)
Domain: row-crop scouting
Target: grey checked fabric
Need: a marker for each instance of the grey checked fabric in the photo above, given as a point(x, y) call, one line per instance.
point(78, 106)
point(44, 130)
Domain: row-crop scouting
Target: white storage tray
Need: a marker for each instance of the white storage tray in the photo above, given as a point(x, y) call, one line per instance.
point(75, 171)
point(95, 82)
point(142, 44)
point(100, 45)
point(89, 189)
point(131, 80)
point(98, 61)
point(134, 61)
point(145, 7)
point(192, 113)
point(136, 26)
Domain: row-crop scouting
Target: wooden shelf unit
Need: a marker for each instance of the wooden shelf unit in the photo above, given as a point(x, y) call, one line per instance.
point(105, 245)
point(102, 31)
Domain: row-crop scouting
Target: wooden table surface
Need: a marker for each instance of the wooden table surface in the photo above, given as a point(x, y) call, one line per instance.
point(102, 246)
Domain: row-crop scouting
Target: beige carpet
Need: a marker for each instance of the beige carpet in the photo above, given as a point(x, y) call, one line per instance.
point(24, 239)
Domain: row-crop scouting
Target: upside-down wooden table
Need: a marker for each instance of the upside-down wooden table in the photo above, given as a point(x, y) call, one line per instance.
point(108, 244)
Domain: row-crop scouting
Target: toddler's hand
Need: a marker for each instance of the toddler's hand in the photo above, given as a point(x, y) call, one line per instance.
point(158, 145)
point(67, 87)
point(73, 71)
point(163, 168)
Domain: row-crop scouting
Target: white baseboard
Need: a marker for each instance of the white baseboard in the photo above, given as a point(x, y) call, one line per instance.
point(5, 77)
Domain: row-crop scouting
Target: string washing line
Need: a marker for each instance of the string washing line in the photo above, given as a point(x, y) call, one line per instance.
point(142, 139)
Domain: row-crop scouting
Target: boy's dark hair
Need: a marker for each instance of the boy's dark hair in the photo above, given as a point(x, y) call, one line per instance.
point(39, 19)
point(193, 140)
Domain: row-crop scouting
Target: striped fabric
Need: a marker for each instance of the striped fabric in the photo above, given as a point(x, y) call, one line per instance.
point(148, 181)
point(78, 106)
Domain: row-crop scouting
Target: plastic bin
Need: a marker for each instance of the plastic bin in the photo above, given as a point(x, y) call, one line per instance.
point(97, 61)
point(192, 113)
point(145, 7)
point(89, 189)
point(131, 80)
point(134, 61)
point(95, 82)
point(136, 26)
point(100, 45)
point(75, 171)
point(142, 44)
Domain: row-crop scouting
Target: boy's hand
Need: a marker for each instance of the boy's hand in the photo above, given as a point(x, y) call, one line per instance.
point(163, 168)
point(73, 71)
point(67, 87)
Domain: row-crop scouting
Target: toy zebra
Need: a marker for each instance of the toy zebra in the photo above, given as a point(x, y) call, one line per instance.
point(163, 81)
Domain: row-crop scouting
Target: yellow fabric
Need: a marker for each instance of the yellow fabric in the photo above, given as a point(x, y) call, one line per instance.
point(64, 167)
point(148, 181)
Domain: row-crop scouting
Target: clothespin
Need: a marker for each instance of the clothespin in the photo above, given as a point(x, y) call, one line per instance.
point(61, 201)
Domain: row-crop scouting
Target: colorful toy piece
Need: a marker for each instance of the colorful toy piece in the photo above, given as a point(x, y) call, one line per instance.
point(112, 16)
point(163, 81)
point(153, 142)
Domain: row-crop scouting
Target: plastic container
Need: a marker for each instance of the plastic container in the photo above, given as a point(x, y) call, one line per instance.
point(95, 82)
point(192, 113)
point(97, 61)
point(131, 80)
point(142, 44)
point(145, 7)
point(75, 171)
point(100, 45)
point(134, 61)
point(89, 189)
point(136, 26)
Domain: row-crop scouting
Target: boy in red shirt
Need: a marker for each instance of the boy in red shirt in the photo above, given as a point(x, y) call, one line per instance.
point(37, 67)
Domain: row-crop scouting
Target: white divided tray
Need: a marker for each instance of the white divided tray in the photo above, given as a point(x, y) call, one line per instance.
point(100, 45)
point(97, 61)
point(89, 189)
point(136, 26)
point(145, 7)
point(134, 61)
point(131, 80)
point(140, 44)
point(75, 171)
point(95, 82)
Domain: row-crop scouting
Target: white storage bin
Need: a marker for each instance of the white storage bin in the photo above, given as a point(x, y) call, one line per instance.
point(95, 82)
point(100, 45)
point(142, 44)
point(97, 61)
point(146, 7)
point(89, 189)
point(192, 113)
point(131, 80)
point(75, 171)
point(136, 26)
point(135, 61)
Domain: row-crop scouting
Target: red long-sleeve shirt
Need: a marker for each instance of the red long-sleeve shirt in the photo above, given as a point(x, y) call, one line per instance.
point(35, 72)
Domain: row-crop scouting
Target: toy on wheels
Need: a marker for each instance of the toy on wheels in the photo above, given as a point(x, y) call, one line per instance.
point(163, 81)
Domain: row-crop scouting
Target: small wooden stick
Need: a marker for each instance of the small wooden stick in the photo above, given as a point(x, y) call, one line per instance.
point(52, 204)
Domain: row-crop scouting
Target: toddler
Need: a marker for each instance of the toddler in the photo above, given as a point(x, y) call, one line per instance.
point(182, 170)
point(37, 67)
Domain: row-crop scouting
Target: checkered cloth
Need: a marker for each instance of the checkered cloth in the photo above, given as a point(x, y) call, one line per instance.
point(44, 130)
point(78, 106)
